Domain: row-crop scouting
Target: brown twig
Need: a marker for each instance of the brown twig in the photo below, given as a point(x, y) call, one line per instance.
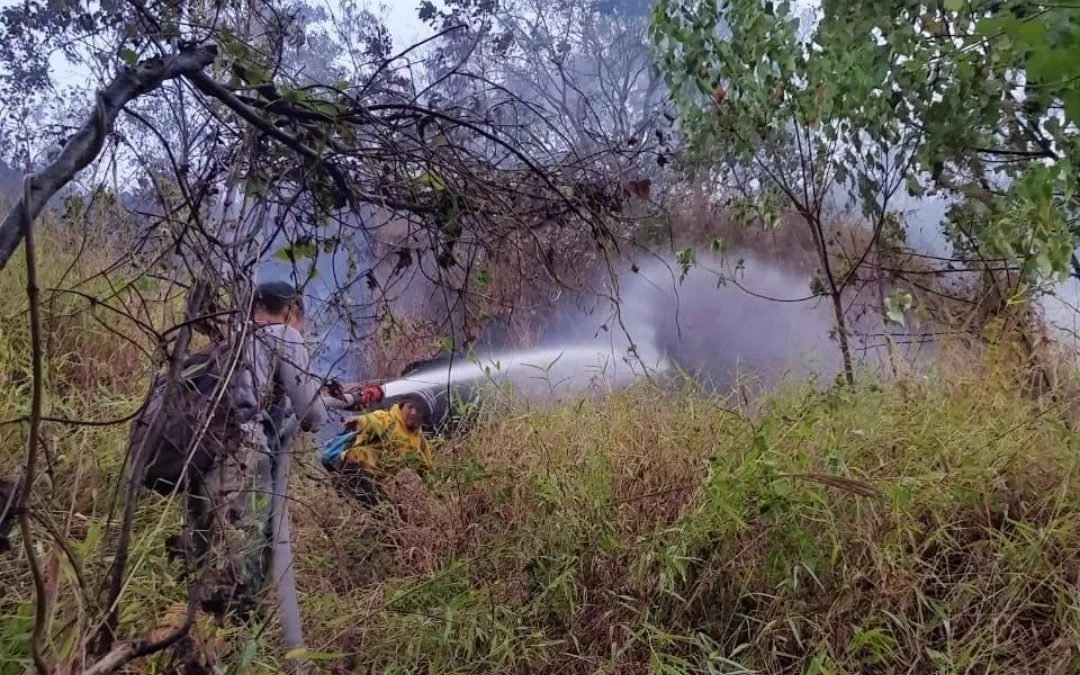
point(107, 634)
point(126, 652)
point(32, 442)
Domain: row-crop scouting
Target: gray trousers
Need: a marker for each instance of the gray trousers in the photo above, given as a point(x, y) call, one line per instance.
point(241, 511)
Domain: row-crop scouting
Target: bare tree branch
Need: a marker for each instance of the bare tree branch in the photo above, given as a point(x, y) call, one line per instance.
point(126, 652)
point(83, 147)
point(32, 442)
point(107, 634)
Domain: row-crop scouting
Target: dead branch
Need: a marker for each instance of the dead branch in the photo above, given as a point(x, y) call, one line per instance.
point(32, 442)
point(126, 652)
point(9, 494)
point(83, 147)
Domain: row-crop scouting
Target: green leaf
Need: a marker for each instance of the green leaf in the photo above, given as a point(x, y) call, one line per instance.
point(954, 5)
point(1043, 264)
point(256, 75)
point(431, 180)
point(1071, 99)
point(1000, 24)
point(841, 174)
point(914, 188)
point(293, 95)
point(686, 259)
point(128, 56)
point(608, 544)
point(247, 657)
point(898, 302)
point(894, 316)
point(296, 252)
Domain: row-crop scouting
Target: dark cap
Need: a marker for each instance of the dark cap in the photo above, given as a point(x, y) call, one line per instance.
point(420, 401)
point(276, 296)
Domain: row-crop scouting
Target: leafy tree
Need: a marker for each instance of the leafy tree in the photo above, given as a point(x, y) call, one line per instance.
point(994, 92)
point(794, 116)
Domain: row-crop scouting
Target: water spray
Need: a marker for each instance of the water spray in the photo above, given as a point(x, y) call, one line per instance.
point(543, 374)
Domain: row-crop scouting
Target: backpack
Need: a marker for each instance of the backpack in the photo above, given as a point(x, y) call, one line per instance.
point(164, 430)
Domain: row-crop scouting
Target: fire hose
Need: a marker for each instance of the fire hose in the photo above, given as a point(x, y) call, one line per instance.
point(281, 559)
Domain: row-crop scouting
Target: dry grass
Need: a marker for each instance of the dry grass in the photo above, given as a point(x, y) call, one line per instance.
point(928, 526)
point(924, 529)
point(96, 369)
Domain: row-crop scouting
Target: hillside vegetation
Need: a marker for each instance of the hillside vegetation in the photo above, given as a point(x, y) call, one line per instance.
point(929, 525)
point(909, 170)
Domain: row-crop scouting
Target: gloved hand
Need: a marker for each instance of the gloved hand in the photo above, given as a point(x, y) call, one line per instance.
point(352, 396)
point(363, 395)
point(370, 394)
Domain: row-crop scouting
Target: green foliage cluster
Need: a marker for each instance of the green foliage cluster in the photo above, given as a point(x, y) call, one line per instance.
point(977, 99)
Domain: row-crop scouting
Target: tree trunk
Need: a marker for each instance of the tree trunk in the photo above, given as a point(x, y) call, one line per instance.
point(841, 334)
point(835, 292)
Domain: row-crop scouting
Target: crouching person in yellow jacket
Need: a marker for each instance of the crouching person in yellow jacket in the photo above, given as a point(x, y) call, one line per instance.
point(385, 442)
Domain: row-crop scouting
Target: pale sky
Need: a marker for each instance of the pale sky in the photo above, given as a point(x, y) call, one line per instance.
point(404, 26)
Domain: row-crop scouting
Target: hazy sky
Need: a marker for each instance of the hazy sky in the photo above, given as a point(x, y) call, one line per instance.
point(401, 19)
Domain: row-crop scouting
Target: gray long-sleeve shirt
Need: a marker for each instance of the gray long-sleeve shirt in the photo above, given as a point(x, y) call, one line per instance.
point(283, 346)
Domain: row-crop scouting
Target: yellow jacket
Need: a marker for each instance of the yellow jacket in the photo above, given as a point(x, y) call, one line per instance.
point(384, 444)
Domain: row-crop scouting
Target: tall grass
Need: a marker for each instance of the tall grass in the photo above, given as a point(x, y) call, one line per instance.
point(930, 529)
point(96, 370)
point(925, 526)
